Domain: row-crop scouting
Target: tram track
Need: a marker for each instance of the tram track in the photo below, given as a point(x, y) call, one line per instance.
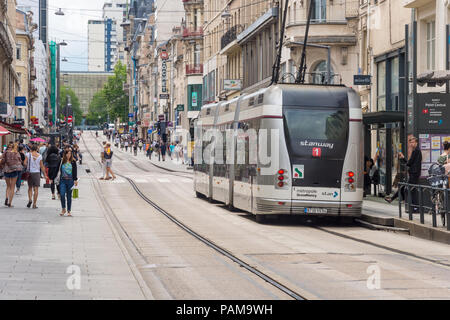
point(170, 172)
point(339, 234)
point(283, 288)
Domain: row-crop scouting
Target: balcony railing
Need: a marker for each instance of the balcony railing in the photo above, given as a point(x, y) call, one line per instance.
point(192, 1)
point(192, 32)
point(230, 35)
point(194, 69)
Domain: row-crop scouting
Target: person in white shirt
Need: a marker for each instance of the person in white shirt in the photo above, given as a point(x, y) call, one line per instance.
point(34, 163)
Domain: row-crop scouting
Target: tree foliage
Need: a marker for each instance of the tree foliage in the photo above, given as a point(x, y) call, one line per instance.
point(111, 100)
point(77, 113)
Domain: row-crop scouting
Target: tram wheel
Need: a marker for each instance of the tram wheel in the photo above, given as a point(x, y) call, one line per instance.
point(199, 195)
point(261, 218)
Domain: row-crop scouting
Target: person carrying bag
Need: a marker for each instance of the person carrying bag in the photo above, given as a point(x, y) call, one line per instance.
point(67, 180)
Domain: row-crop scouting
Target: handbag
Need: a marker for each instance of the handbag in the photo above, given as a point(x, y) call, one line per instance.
point(26, 174)
point(75, 193)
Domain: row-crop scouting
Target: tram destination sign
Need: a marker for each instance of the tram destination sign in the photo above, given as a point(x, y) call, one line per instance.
point(433, 111)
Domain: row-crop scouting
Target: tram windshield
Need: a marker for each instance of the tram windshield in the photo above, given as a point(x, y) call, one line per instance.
point(326, 129)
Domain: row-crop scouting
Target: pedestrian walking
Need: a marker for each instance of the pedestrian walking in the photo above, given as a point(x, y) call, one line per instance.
point(19, 177)
point(12, 166)
point(108, 154)
point(53, 162)
point(414, 165)
point(126, 145)
point(135, 147)
point(163, 150)
point(67, 180)
point(140, 145)
point(34, 162)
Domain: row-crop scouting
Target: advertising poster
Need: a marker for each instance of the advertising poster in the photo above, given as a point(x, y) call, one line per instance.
point(431, 146)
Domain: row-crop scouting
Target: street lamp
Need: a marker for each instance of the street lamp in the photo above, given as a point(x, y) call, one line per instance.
point(58, 74)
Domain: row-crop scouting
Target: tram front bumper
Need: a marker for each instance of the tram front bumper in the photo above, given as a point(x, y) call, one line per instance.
point(299, 207)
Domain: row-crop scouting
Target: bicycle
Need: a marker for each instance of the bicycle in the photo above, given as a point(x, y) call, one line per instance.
point(438, 179)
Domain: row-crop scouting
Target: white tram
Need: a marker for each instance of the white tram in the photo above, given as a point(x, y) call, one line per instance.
point(316, 159)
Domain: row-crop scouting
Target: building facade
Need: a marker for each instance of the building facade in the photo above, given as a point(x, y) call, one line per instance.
point(85, 85)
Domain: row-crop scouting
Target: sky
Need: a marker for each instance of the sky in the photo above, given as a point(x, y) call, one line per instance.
point(72, 28)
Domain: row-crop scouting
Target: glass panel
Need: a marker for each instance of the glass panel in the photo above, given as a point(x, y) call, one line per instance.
point(326, 129)
point(381, 86)
point(381, 144)
point(395, 83)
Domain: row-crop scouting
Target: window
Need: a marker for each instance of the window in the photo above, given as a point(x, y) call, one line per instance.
point(319, 10)
point(320, 73)
point(395, 84)
point(19, 51)
point(431, 45)
point(381, 86)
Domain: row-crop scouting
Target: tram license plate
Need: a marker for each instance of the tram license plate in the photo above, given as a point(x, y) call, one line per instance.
point(316, 210)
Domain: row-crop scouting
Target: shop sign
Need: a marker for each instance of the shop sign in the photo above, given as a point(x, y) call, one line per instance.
point(361, 80)
point(21, 101)
point(433, 112)
point(232, 85)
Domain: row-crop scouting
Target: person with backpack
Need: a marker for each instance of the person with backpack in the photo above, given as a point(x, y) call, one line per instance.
point(35, 165)
point(68, 178)
point(53, 161)
point(140, 145)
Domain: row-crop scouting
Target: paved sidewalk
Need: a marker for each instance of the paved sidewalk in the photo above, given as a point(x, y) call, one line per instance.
point(38, 248)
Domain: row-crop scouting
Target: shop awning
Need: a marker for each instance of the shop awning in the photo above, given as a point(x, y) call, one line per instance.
point(383, 117)
point(12, 128)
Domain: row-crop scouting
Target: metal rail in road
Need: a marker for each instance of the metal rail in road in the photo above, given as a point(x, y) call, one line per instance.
point(208, 242)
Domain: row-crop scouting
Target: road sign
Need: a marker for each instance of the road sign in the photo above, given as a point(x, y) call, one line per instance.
point(130, 115)
point(21, 101)
point(161, 117)
point(180, 107)
point(69, 119)
point(164, 96)
point(361, 80)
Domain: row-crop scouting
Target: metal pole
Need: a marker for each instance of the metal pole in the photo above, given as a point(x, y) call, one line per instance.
point(276, 67)
point(415, 78)
point(410, 209)
point(400, 200)
point(58, 87)
point(422, 219)
point(447, 63)
point(405, 140)
point(302, 68)
point(329, 65)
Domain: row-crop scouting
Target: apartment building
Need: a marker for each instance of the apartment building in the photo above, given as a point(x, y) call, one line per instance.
point(96, 46)
point(116, 11)
point(25, 67)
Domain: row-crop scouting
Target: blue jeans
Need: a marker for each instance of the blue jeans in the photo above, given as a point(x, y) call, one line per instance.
point(65, 188)
point(19, 180)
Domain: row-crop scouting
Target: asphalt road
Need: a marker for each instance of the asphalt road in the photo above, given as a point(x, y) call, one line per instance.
point(316, 261)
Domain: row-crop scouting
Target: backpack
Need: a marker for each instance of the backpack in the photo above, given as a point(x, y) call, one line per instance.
point(53, 160)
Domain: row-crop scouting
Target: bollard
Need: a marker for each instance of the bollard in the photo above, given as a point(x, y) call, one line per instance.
point(433, 212)
point(447, 209)
point(410, 211)
point(422, 219)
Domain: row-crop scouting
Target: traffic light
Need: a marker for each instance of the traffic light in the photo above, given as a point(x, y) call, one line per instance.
point(158, 127)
